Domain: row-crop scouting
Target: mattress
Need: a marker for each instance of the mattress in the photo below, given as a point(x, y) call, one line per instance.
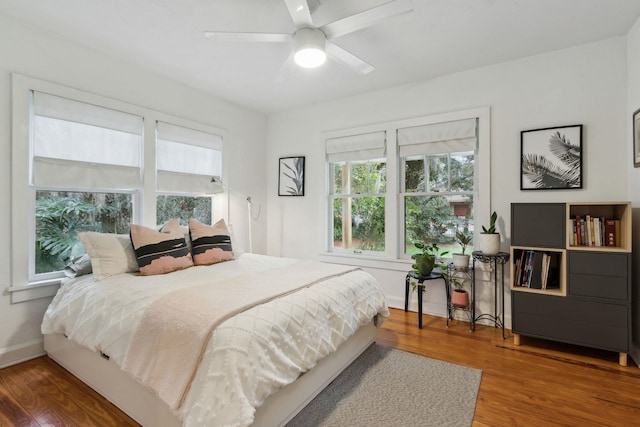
point(249, 356)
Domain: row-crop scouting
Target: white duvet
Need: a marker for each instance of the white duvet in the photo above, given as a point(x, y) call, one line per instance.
point(249, 356)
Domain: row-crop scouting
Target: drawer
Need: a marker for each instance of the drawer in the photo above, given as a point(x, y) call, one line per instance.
point(598, 263)
point(585, 285)
point(571, 320)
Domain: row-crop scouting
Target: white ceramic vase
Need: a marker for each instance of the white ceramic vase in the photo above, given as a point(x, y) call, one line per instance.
point(461, 260)
point(489, 243)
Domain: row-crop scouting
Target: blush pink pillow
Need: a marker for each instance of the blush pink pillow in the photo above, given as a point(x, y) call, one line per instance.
point(210, 244)
point(159, 252)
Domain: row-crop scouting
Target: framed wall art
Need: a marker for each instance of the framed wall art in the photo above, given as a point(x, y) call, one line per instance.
point(636, 138)
point(551, 158)
point(291, 176)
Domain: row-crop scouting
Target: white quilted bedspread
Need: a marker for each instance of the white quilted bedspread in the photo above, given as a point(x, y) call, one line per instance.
point(249, 356)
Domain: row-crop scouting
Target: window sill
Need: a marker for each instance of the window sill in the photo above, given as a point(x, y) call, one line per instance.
point(34, 290)
point(366, 261)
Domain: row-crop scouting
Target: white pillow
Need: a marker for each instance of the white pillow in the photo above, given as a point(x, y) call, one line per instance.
point(110, 254)
point(78, 266)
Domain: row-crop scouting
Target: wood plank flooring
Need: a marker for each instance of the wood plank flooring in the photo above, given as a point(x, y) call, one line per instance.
point(538, 383)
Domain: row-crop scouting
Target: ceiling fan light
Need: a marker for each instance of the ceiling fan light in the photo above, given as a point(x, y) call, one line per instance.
point(310, 57)
point(309, 47)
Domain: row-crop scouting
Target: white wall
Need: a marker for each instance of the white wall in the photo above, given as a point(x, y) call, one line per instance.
point(583, 85)
point(35, 53)
point(633, 103)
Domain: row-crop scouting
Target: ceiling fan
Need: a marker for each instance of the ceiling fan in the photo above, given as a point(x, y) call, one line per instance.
point(312, 44)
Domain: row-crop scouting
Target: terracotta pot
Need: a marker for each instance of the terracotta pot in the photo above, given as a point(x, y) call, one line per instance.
point(460, 297)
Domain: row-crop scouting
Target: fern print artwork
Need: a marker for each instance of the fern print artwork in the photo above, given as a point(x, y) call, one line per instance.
point(291, 176)
point(551, 158)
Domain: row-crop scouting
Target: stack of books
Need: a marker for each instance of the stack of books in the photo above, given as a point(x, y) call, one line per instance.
point(595, 231)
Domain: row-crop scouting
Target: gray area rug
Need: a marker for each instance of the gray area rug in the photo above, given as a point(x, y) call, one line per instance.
point(389, 387)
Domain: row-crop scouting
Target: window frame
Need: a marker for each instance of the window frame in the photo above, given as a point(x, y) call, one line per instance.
point(394, 257)
point(333, 196)
point(24, 286)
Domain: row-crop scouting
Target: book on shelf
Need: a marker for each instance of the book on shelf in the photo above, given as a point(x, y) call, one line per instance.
point(532, 269)
point(536, 271)
point(595, 231)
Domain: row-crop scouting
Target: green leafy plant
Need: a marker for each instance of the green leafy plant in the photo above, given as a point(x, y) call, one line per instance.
point(425, 259)
point(492, 224)
point(458, 282)
point(463, 240)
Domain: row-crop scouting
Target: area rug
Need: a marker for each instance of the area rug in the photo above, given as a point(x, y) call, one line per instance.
point(389, 387)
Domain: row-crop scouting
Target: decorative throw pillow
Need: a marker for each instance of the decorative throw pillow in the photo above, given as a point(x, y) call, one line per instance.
point(110, 254)
point(210, 244)
point(160, 252)
point(79, 266)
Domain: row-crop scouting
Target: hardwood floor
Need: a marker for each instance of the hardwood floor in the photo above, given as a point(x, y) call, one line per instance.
point(538, 383)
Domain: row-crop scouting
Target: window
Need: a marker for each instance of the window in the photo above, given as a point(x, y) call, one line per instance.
point(61, 215)
point(78, 163)
point(77, 149)
point(187, 160)
point(431, 182)
point(358, 173)
point(437, 167)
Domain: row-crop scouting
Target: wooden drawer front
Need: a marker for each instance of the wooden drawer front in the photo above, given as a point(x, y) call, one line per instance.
point(598, 263)
point(599, 286)
point(573, 321)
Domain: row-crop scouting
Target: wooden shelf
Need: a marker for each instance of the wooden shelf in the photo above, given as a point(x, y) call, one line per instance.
point(558, 261)
point(610, 210)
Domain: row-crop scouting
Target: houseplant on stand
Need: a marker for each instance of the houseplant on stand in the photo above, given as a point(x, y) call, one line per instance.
point(489, 238)
point(426, 258)
point(459, 296)
point(461, 260)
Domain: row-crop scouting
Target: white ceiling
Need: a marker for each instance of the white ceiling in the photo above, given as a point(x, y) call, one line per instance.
point(439, 37)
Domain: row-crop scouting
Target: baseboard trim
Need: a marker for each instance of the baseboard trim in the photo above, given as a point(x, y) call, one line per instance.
point(21, 353)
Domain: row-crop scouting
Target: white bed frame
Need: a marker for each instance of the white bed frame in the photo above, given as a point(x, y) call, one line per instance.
point(146, 408)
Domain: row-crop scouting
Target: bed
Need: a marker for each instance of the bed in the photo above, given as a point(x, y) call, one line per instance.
point(259, 366)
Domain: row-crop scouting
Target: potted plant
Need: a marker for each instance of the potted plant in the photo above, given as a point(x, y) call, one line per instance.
point(426, 258)
point(489, 238)
point(459, 296)
point(461, 260)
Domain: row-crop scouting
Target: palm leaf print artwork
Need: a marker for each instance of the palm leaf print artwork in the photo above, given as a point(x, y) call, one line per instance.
point(291, 176)
point(550, 160)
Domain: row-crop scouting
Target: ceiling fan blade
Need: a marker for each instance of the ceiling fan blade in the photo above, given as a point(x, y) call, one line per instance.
point(285, 70)
point(247, 37)
point(366, 19)
point(338, 54)
point(300, 13)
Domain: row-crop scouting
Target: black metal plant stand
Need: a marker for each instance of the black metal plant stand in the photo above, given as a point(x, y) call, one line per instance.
point(500, 258)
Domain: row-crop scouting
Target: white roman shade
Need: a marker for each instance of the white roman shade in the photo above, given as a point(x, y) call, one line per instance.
point(187, 159)
point(438, 138)
point(80, 145)
point(364, 146)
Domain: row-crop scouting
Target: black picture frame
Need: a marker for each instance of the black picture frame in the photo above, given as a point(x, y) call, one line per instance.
point(636, 138)
point(291, 176)
point(551, 158)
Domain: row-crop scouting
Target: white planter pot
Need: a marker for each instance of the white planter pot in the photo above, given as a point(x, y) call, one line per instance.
point(461, 261)
point(489, 243)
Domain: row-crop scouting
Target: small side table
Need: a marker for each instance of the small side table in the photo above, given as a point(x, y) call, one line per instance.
point(499, 258)
point(421, 279)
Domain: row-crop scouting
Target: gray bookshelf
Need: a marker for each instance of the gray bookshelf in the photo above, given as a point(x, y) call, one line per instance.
point(587, 297)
